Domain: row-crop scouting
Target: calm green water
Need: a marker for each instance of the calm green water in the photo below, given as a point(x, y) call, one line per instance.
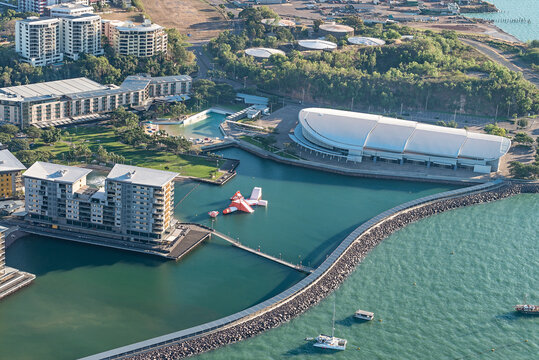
point(209, 127)
point(515, 9)
point(89, 299)
point(460, 307)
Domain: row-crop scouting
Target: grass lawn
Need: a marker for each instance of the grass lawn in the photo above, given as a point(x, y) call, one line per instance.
point(269, 147)
point(100, 135)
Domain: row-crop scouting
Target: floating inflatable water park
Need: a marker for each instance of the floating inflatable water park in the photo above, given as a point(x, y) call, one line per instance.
point(240, 203)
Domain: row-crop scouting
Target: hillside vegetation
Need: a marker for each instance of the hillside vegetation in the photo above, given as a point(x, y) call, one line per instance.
point(433, 70)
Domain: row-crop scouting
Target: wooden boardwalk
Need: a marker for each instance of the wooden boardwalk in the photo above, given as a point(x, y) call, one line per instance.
point(236, 243)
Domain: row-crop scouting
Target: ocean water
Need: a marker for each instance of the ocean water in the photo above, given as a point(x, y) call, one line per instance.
point(441, 288)
point(209, 127)
point(515, 9)
point(89, 299)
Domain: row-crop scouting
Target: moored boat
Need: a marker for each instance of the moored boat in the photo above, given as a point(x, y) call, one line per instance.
point(330, 342)
point(364, 315)
point(527, 309)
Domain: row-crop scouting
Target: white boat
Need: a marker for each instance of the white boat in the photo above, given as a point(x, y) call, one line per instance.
point(330, 342)
point(364, 315)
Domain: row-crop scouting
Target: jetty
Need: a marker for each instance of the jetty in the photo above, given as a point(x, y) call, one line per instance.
point(298, 267)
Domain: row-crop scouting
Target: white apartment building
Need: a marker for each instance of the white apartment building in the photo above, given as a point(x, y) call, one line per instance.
point(81, 35)
point(135, 204)
point(43, 41)
point(37, 6)
point(37, 40)
point(142, 40)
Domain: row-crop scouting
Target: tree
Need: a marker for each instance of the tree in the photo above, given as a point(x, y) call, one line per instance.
point(523, 138)
point(121, 118)
point(5, 138)
point(33, 132)
point(524, 171)
point(9, 129)
point(17, 145)
point(51, 135)
point(316, 24)
point(494, 129)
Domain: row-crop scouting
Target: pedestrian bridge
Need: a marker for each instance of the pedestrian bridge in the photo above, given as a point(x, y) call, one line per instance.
point(298, 267)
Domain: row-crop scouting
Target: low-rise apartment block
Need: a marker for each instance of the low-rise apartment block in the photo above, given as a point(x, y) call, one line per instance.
point(136, 204)
point(43, 104)
point(142, 40)
point(10, 175)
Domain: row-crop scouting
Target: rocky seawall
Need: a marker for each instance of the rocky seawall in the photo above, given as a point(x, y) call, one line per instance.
point(329, 281)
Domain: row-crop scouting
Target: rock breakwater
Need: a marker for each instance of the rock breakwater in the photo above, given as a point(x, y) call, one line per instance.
point(329, 281)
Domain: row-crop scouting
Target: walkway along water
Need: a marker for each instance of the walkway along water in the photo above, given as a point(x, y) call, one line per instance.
point(311, 290)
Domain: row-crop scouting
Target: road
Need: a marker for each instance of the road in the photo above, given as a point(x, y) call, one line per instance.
point(495, 56)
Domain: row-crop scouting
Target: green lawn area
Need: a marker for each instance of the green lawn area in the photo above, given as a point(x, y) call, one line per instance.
point(100, 135)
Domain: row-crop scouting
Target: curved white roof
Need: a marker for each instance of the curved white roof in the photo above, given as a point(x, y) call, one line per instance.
point(368, 41)
point(358, 131)
point(263, 52)
point(336, 28)
point(317, 44)
point(281, 22)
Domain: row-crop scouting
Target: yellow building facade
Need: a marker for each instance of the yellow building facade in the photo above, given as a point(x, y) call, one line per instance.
point(10, 174)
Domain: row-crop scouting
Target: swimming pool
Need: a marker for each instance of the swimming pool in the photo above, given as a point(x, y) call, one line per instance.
point(208, 126)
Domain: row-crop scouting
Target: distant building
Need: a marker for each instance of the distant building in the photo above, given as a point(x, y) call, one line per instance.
point(81, 34)
point(10, 174)
point(43, 104)
point(136, 204)
point(68, 9)
point(37, 40)
point(36, 6)
point(142, 40)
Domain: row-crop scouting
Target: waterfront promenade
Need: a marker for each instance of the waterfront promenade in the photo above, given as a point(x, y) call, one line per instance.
point(308, 292)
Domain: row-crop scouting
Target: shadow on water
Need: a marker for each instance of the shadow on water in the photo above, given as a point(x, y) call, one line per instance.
point(26, 254)
point(314, 258)
point(308, 348)
point(255, 167)
point(514, 315)
point(351, 321)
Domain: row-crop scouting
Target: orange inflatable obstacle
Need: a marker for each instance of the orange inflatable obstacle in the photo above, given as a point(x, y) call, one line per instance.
point(245, 205)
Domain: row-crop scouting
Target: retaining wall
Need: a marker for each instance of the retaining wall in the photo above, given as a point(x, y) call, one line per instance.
point(312, 289)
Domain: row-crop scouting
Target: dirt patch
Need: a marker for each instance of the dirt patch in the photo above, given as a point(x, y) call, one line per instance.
point(121, 15)
point(195, 18)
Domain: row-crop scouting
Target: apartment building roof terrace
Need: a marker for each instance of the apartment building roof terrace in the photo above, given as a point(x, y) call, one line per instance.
point(140, 176)
point(55, 172)
point(8, 162)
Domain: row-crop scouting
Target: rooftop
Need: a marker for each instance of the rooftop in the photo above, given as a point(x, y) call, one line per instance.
point(358, 131)
point(140, 176)
point(337, 28)
point(59, 87)
point(8, 162)
point(261, 52)
point(44, 20)
point(146, 26)
point(317, 44)
point(55, 172)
